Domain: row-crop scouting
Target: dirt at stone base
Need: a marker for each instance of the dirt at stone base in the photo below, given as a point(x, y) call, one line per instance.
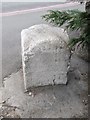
point(58, 101)
point(8, 112)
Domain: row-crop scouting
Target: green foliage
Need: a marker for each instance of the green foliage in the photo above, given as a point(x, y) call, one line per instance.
point(75, 20)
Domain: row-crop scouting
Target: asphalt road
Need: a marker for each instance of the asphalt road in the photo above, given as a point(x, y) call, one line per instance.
point(12, 26)
point(13, 6)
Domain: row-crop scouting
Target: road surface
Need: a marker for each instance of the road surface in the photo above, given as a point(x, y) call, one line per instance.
point(15, 18)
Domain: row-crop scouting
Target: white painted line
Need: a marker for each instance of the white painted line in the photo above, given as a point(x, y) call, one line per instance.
point(38, 9)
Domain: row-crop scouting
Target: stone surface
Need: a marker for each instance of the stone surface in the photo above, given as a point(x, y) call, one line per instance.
point(45, 55)
point(59, 101)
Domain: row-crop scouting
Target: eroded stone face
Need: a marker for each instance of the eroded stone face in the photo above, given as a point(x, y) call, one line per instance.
point(45, 56)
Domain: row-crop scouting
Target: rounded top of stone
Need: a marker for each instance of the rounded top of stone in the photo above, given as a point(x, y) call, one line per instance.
point(41, 33)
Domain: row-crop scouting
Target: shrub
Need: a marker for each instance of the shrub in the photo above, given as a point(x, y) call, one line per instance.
point(76, 20)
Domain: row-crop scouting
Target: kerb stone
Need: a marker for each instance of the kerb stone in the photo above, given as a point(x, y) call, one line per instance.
point(45, 55)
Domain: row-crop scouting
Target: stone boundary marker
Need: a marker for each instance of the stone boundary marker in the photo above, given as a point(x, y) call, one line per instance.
point(45, 56)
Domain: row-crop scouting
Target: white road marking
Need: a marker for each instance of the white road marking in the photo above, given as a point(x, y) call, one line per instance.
point(37, 9)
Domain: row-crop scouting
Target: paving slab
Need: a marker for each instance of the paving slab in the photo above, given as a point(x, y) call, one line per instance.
point(56, 101)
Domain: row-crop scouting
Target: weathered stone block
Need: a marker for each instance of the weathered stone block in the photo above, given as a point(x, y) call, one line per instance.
point(45, 55)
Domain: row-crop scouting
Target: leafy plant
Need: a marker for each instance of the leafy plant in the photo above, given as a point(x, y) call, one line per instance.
point(75, 20)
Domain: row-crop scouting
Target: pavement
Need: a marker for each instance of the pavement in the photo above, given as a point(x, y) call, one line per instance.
point(58, 101)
